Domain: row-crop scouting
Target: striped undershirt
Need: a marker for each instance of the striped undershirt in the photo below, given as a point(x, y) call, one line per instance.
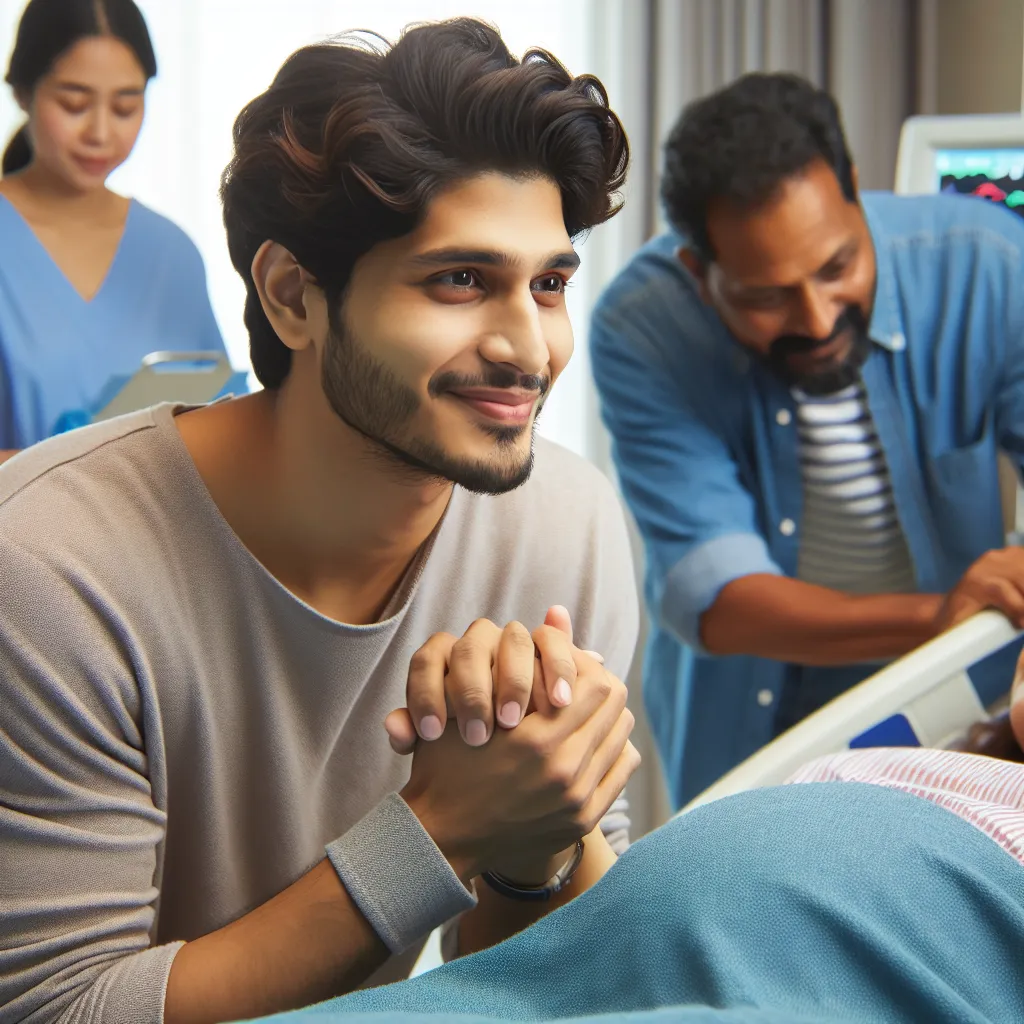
point(982, 790)
point(851, 539)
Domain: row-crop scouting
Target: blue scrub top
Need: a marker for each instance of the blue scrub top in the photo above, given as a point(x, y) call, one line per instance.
point(59, 351)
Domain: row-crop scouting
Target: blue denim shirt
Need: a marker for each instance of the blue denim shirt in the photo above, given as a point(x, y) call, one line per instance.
point(705, 444)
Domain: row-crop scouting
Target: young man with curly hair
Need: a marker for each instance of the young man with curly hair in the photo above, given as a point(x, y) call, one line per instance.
point(207, 615)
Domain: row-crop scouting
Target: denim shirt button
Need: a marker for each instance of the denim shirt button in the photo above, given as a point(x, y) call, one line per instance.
point(787, 527)
point(765, 697)
point(783, 417)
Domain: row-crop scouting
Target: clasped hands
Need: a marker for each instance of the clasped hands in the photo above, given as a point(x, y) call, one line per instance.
point(520, 744)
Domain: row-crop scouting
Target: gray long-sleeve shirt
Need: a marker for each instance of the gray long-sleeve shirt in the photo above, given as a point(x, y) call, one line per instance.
point(180, 736)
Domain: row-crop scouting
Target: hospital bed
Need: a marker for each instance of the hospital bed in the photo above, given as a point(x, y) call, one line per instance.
point(925, 699)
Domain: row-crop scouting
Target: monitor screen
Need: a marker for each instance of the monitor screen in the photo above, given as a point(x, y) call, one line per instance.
point(995, 174)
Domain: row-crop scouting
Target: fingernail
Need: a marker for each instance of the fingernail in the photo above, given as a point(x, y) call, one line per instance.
point(599, 658)
point(509, 714)
point(476, 733)
point(561, 694)
point(430, 727)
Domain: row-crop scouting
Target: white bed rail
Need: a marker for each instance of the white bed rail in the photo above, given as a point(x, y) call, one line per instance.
point(929, 687)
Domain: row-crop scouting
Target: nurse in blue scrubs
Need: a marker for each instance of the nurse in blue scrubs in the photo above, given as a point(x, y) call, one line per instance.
point(90, 281)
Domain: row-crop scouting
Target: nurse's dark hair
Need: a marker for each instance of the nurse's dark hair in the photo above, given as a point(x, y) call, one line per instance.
point(48, 29)
point(355, 137)
point(741, 143)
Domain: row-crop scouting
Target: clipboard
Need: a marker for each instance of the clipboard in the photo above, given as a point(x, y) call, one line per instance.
point(192, 378)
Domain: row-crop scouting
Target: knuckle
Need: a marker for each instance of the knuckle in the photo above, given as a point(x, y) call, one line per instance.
point(603, 684)
point(518, 636)
point(618, 689)
point(517, 681)
point(422, 660)
point(561, 775)
point(564, 667)
point(576, 800)
point(419, 661)
point(481, 626)
point(540, 748)
point(463, 650)
point(471, 697)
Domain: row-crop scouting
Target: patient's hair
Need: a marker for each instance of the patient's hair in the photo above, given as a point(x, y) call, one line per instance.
point(354, 138)
point(741, 143)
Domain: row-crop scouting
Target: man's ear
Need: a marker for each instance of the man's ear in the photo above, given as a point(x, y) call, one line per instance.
point(288, 294)
point(695, 264)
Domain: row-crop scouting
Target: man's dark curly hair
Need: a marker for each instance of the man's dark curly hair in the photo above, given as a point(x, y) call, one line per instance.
point(742, 142)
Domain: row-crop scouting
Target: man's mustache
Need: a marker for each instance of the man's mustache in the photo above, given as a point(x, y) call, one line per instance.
point(799, 344)
point(498, 377)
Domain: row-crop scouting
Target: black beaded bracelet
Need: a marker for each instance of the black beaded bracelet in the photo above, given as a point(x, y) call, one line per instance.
point(561, 878)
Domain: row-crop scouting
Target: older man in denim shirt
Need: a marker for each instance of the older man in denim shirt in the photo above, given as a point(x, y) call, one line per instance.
point(807, 389)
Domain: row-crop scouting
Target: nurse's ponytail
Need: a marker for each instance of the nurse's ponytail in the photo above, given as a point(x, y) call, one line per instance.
point(18, 154)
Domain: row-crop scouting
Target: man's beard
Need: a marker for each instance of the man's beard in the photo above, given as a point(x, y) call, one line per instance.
point(837, 376)
point(373, 401)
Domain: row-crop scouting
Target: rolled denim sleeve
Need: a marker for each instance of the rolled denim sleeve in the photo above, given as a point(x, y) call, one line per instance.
point(698, 522)
point(693, 583)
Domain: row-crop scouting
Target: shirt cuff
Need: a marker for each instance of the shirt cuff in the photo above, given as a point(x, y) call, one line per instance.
point(694, 582)
point(616, 824)
point(397, 876)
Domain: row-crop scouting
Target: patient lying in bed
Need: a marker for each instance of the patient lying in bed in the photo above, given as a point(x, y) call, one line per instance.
point(880, 885)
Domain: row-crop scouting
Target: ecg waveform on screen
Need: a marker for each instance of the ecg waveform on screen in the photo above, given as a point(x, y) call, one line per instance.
point(1005, 190)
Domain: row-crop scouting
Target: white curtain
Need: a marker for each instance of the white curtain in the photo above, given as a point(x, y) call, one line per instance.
point(866, 52)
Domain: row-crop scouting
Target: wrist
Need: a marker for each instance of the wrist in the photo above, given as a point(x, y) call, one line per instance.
point(929, 612)
point(454, 849)
point(530, 871)
point(908, 619)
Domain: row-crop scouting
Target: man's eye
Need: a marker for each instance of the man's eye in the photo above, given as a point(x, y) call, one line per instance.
point(769, 300)
point(462, 279)
point(551, 283)
point(833, 272)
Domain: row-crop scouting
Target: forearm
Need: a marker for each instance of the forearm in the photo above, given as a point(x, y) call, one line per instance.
point(497, 918)
point(308, 943)
point(786, 620)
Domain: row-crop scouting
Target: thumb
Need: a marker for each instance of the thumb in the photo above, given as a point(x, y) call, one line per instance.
point(558, 617)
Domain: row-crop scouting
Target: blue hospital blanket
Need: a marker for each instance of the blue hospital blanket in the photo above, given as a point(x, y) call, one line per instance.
point(822, 902)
